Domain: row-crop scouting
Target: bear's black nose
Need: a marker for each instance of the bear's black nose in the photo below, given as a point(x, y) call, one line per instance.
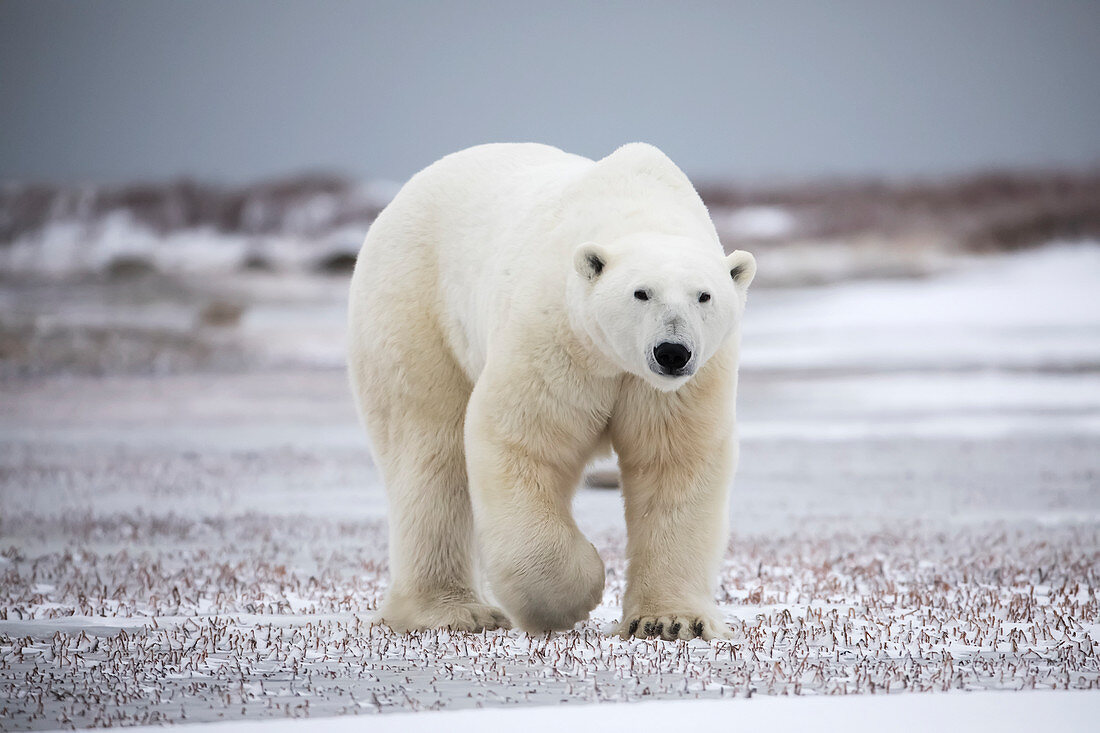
point(672, 357)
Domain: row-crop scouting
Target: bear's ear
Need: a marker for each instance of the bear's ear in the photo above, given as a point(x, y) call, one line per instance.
point(742, 267)
point(590, 259)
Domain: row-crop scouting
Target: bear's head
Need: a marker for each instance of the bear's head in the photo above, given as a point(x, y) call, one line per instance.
point(658, 306)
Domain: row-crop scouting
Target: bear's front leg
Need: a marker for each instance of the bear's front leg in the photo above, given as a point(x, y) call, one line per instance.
point(524, 462)
point(674, 548)
point(677, 459)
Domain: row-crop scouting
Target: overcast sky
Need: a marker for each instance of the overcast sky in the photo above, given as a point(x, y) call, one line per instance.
point(233, 91)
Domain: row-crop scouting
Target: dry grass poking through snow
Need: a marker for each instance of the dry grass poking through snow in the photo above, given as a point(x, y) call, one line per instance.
point(221, 618)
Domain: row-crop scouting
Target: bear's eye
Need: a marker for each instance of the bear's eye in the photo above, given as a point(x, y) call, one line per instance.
point(704, 297)
point(641, 295)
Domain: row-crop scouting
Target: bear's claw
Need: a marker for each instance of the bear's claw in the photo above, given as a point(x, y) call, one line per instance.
point(672, 627)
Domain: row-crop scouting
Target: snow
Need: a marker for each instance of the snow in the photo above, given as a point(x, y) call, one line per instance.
point(1066, 712)
point(66, 248)
point(917, 510)
point(756, 222)
point(1039, 309)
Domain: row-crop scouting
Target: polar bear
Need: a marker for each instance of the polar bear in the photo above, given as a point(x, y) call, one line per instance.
point(514, 312)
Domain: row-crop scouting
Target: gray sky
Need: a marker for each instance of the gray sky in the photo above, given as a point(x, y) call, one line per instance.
point(232, 91)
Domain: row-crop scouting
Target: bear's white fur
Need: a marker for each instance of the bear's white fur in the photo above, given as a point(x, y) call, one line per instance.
point(505, 316)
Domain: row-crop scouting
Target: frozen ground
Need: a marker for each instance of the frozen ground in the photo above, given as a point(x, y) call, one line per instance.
point(917, 509)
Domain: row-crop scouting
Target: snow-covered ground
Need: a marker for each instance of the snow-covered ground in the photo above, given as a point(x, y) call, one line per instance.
point(917, 509)
point(1070, 712)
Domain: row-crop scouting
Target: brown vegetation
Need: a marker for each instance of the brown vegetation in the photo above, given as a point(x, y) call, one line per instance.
point(990, 211)
point(274, 207)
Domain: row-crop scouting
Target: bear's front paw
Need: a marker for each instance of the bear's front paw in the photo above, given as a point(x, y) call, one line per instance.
point(674, 626)
point(551, 594)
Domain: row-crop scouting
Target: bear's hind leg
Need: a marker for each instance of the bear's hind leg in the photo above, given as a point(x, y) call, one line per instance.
point(415, 421)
